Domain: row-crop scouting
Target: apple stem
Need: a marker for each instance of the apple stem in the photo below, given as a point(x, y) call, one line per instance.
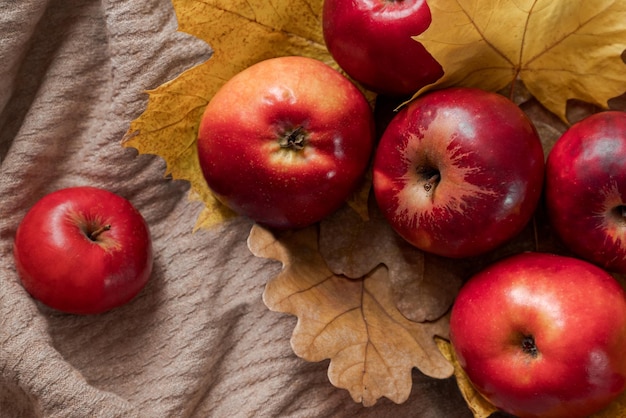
point(431, 182)
point(295, 139)
point(94, 234)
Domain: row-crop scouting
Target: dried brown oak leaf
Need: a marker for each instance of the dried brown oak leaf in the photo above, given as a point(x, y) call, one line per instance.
point(240, 34)
point(423, 286)
point(372, 347)
point(559, 50)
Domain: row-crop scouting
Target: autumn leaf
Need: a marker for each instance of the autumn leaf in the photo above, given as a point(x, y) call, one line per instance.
point(363, 324)
point(480, 407)
point(558, 50)
point(372, 348)
point(423, 286)
point(240, 34)
point(168, 128)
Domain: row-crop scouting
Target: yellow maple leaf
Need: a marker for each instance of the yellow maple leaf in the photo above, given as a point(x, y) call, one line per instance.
point(372, 347)
point(240, 34)
point(559, 50)
point(480, 407)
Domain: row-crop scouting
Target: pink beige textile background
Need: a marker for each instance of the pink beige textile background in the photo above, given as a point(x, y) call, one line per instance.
point(197, 341)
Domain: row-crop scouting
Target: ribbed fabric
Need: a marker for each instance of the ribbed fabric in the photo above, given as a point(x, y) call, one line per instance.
point(197, 341)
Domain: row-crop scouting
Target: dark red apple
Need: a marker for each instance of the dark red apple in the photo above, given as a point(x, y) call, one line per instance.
point(459, 171)
point(286, 141)
point(542, 335)
point(372, 42)
point(586, 189)
point(83, 250)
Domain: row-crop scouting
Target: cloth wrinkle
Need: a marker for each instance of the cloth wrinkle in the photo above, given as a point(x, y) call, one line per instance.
point(198, 340)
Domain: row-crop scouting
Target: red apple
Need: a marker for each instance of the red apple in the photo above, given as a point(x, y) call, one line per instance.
point(286, 141)
point(372, 42)
point(586, 189)
point(83, 250)
point(459, 171)
point(542, 335)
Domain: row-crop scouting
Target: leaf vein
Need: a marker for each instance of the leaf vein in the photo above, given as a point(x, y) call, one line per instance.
point(308, 289)
point(559, 41)
point(175, 122)
point(482, 34)
point(270, 28)
point(332, 321)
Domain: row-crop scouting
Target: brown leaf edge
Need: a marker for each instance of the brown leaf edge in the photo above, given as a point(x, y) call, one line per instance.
point(372, 347)
point(480, 407)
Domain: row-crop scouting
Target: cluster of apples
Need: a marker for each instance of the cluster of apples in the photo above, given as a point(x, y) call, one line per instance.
point(544, 335)
point(456, 172)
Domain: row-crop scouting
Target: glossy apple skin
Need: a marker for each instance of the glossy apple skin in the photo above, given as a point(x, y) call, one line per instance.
point(62, 267)
point(283, 186)
point(575, 314)
point(487, 162)
point(586, 189)
point(372, 42)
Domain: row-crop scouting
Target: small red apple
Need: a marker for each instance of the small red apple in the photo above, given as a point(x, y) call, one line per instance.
point(372, 42)
point(286, 141)
point(83, 250)
point(542, 335)
point(586, 189)
point(459, 171)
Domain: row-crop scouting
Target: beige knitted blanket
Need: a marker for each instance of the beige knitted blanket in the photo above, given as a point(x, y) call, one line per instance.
point(198, 340)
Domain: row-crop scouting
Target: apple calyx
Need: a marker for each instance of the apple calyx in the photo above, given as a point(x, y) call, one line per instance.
point(619, 213)
point(529, 346)
point(93, 235)
point(429, 177)
point(294, 139)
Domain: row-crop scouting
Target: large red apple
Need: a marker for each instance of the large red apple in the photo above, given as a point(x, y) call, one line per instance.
point(586, 189)
point(542, 335)
point(83, 250)
point(286, 141)
point(372, 42)
point(459, 171)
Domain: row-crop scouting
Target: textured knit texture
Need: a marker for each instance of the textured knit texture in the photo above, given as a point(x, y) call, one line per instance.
point(198, 340)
